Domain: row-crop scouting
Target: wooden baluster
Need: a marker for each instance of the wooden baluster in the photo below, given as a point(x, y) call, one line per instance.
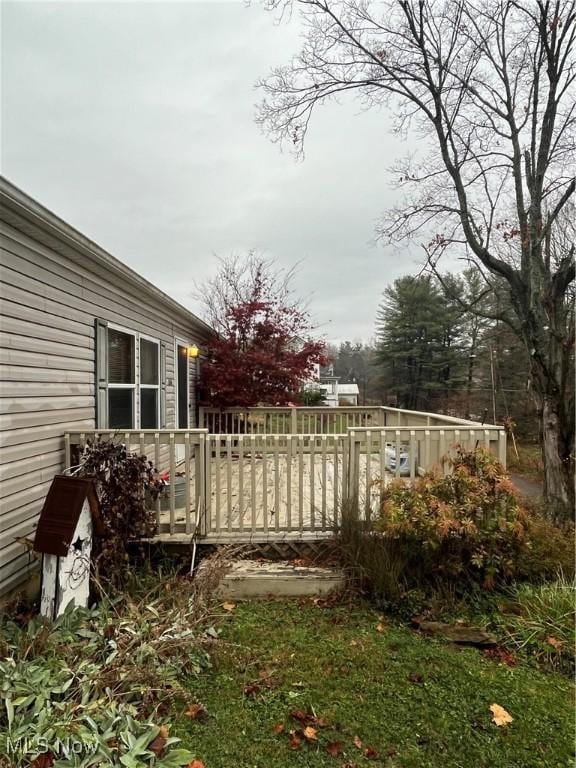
point(229, 480)
point(172, 483)
point(188, 481)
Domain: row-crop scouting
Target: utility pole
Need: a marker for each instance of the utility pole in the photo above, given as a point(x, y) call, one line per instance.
point(493, 386)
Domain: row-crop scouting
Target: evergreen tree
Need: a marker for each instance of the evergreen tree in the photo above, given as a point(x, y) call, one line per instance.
point(419, 345)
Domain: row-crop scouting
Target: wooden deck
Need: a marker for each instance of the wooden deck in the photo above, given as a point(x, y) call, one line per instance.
point(258, 487)
point(257, 496)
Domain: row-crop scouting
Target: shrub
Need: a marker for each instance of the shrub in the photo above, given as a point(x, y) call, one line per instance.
point(89, 688)
point(124, 482)
point(463, 533)
point(100, 682)
point(550, 549)
point(466, 526)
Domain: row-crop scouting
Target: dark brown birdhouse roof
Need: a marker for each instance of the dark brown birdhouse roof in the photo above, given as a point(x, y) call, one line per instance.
point(61, 512)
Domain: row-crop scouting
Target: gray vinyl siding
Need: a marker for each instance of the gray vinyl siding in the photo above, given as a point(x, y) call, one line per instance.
point(50, 298)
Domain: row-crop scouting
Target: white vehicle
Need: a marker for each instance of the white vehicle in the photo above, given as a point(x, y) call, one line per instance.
point(390, 459)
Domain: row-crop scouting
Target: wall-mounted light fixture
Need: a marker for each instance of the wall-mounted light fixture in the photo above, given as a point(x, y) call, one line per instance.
point(193, 351)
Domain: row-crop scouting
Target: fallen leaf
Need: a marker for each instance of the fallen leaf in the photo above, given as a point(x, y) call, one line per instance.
point(195, 764)
point(301, 716)
point(295, 741)
point(195, 711)
point(278, 728)
point(228, 606)
point(310, 733)
point(264, 674)
point(358, 742)
point(414, 677)
point(370, 752)
point(252, 689)
point(158, 744)
point(381, 628)
point(502, 655)
point(554, 642)
point(44, 760)
point(335, 748)
point(353, 643)
point(499, 715)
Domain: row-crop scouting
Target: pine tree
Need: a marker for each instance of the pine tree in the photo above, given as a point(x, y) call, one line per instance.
point(419, 345)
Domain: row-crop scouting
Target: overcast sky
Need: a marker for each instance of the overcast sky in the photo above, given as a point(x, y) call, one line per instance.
point(135, 123)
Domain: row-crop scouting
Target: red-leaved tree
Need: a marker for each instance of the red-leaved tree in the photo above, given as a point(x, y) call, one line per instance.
point(264, 352)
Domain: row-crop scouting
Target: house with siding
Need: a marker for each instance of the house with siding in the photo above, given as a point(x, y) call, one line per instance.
point(85, 343)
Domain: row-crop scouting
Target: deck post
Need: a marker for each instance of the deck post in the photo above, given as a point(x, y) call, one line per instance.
point(502, 448)
point(293, 421)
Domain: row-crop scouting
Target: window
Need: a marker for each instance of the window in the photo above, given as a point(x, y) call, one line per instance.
point(121, 379)
point(132, 380)
point(149, 383)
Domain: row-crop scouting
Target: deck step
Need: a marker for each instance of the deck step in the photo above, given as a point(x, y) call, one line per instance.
point(255, 578)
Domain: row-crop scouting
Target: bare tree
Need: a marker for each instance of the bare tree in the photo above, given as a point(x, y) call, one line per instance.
point(491, 86)
point(241, 279)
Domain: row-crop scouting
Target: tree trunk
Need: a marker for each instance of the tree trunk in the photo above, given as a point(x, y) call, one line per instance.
point(558, 461)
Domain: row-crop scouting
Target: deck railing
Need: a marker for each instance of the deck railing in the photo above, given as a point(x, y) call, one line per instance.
point(316, 421)
point(257, 486)
point(180, 452)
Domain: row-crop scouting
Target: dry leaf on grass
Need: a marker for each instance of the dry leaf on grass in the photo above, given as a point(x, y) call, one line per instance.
point(502, 656)
point(310, 733)
point(195, 764)
point(228, 606)
point(278, 728)
point(195, 711)
point(554, 642)
point(358, 742)
point(499, 715)
point(335, 748)
point(295, 740)
point(301, 715)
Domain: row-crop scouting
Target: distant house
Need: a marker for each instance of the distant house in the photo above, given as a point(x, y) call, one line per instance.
point(348, 394)
point(85, 342)
point(336, 393)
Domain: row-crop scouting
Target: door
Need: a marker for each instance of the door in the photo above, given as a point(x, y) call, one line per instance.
point(183, 388)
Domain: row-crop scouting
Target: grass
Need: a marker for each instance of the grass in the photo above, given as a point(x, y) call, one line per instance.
point(541, 623)
point(415, 701)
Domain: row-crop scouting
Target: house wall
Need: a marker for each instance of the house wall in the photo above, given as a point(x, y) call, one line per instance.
point(51, 295)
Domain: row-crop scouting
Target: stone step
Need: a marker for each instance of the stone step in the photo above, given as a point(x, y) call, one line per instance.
point(256, 578)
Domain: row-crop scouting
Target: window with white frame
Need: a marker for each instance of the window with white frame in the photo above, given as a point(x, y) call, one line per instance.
point(149, 383)
point(121, 379)
point(133, 380)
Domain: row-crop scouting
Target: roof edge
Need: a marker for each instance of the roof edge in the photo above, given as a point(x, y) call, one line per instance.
point(13, 198)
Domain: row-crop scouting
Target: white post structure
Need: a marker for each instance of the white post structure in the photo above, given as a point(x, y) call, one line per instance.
point(64, 537)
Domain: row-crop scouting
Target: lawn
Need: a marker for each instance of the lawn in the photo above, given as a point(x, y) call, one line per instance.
point(404, 699)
